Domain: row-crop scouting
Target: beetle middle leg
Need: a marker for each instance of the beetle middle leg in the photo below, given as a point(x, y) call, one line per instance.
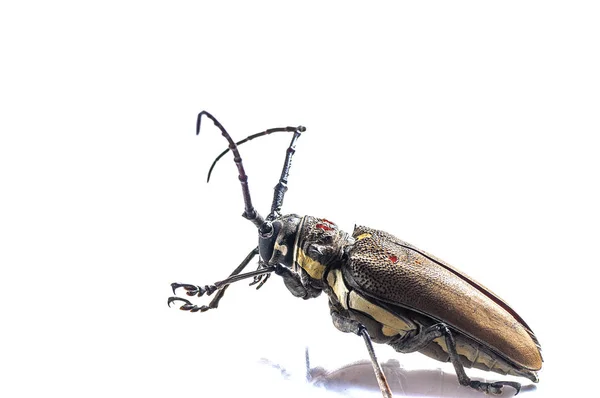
point(343, 322)
point(193, 290)
point(415, 342)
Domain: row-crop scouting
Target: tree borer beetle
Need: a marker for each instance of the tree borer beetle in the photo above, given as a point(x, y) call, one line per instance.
point(380, 288)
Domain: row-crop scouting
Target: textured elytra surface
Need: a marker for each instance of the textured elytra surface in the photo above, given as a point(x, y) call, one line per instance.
point(393, 271)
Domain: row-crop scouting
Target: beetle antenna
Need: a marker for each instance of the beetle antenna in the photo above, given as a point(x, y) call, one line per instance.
point(281, 187)
point(249, 138)
point(250, 212)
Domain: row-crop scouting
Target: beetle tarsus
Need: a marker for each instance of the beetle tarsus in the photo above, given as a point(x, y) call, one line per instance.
point(188, 306)
point(193, 290)
point(494, 388)
point(256, 280)
point(221, 286)
point(265, 279)
point(260, 280)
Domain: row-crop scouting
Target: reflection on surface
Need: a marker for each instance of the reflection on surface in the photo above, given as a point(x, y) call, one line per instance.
point(358, 380)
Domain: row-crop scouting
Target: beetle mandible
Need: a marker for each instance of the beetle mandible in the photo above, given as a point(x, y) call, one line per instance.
point(379, 287)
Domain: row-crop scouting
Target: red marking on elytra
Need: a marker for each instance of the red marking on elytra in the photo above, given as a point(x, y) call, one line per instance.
point(324, 227)
point(327, 221)
point(393, 259)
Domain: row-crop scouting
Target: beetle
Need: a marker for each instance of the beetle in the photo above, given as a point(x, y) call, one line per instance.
point(379, 287)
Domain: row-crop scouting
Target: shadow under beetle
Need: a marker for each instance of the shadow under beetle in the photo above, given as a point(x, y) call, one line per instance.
point(380, 288)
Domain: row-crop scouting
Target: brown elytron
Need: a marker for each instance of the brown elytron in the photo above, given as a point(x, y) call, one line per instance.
point(422, 283)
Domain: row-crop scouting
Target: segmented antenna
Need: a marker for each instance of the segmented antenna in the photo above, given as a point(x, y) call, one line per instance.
point(280, 189)
point(249, 212)
point(249, 138)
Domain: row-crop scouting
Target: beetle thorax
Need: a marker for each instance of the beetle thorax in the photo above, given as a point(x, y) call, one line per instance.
point(319, 244)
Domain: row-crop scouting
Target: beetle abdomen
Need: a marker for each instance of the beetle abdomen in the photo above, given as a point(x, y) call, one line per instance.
point(474, 355)
point(390, 270)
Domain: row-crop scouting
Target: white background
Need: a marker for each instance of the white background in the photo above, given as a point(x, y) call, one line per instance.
point(466, 128)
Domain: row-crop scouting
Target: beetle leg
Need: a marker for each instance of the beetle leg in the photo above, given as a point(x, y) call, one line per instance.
point(344, 323)
point(294, 284)
point(266, 278)
point(348, 325)
point(260, 279)
point(412, 343)
point(381, 380)
point(192, 290)
point(209, 289)
point(187, 305)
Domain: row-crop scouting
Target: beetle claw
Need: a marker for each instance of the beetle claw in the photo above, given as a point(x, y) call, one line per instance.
point(172, 299)
point(513, 384)
point(187, 305)
point(191, 290)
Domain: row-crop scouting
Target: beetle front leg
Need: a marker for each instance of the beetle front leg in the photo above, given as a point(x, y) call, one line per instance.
point(193, 290)
point(411, 343)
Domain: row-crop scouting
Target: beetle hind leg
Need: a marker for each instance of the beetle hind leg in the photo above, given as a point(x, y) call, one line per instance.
point(415, 342)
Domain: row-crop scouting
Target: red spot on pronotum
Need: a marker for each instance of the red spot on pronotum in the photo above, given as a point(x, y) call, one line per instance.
point(324, 227)
point(393, 259)
point(327, 221)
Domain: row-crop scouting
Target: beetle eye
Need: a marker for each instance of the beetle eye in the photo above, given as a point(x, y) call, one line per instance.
point(327, 239)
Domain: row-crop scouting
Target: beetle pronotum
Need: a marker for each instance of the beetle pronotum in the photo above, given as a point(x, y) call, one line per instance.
point(380, 288)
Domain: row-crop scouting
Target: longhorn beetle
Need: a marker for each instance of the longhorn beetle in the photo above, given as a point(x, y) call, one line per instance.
point(379, 287)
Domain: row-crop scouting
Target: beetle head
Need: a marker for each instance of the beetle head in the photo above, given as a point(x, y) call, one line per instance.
point(277, 240)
